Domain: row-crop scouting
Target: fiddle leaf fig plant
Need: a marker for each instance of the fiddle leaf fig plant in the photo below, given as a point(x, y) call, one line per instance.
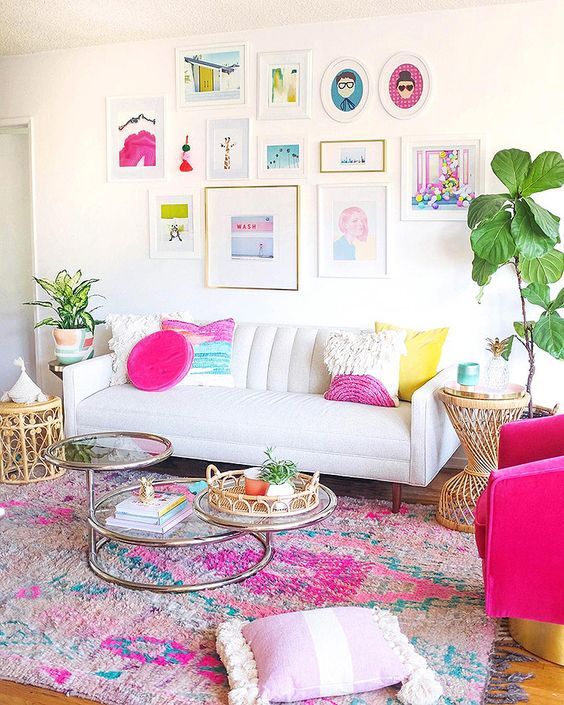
point(511, 229)
point(70, 299)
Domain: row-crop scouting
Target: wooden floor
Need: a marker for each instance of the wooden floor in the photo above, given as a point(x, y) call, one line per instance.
point(546, 688)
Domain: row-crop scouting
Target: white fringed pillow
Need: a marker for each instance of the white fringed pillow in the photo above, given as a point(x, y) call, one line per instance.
point(365, 366)
point(322, 653)
point(127, 330)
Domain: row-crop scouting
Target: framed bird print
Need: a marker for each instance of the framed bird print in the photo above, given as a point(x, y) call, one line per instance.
point(173, 226)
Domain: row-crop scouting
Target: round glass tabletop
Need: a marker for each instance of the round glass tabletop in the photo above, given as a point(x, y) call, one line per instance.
point(109, 451)
point(326, 506)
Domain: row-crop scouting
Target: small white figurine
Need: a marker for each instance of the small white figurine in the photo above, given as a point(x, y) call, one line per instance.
point(24, 391)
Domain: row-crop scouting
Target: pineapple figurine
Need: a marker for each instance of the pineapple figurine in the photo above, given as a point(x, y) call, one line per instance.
point(146, 491)
point(497, 372)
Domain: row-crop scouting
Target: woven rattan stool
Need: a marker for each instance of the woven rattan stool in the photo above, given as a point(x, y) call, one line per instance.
point(477, 423)
point(26, 430)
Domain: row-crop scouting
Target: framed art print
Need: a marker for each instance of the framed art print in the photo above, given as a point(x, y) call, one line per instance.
point(228, 149)
point(405, 84)
point(338, 156)
point(211, 75)
point(135, 138)
point(252, 237)
point(173, 226)
point(284, 85)
point(352, 236)
point(344, 89)
point(281, 156)
point(440, 177)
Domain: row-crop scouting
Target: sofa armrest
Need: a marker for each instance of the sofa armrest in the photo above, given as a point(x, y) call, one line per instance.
point(81, 380)
point(433, 439)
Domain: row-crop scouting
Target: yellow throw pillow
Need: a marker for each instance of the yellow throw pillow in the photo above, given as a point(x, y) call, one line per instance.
point(420, 364)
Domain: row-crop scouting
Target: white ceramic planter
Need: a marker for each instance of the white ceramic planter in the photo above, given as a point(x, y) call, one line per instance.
point(285, 490)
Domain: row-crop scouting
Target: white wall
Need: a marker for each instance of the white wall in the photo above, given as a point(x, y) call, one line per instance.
point(497, 71)
point(16, 257)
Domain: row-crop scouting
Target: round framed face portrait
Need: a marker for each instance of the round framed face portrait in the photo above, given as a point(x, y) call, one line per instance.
point(405, 83)
point(344, 89)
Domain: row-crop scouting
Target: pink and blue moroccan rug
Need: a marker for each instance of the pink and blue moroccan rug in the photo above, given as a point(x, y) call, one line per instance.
point(63, 628)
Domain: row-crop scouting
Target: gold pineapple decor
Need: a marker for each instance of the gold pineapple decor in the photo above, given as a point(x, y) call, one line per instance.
point(497, 373)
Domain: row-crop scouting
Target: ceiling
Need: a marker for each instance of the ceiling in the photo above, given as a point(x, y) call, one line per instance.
point(41, 25)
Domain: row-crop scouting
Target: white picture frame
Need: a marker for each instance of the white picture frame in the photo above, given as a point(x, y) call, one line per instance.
point(127, 149)
point(228, 149)
point(282, 156)
point(174, 227)
point(425, 174)
point(284, 85)
point(252, 237)
point(408, 73)
point(352, 156)
point(345, 99)
point(352, 230)
point(217, 76)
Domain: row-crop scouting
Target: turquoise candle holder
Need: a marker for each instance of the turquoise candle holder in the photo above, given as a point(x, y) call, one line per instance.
point(468, 374)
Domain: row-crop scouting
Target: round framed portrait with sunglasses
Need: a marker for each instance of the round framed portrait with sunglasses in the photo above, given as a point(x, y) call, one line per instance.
point(344, 89)
point(405, 84)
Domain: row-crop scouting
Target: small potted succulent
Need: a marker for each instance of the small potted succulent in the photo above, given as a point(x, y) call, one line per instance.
point(273, 478)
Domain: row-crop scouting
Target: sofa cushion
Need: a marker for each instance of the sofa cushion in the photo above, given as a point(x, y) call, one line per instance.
point(254, 418)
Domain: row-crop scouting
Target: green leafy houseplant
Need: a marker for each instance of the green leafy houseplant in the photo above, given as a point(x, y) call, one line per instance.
point(277, 472)
point(512, 229)
point(70, 299)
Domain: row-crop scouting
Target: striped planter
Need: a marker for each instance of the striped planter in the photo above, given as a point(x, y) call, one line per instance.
point(73, 345)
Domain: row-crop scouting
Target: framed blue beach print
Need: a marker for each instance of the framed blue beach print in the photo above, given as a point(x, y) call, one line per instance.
point(281, 156)
point(344, 89)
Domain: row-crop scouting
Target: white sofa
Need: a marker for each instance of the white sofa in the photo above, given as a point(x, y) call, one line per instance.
point(280, 378)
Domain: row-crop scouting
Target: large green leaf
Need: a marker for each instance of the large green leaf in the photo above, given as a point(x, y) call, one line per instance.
point(508, 347)
point(545, 270)
point(511, 167)
point(88, 321)
point(547, 221)
point(493, 241)
point(485, 207)
point(482, 270)
point(558, 302)
point(520, 328)
point(549, 334)
point(546, 172)
point(537, 294)
point(529, 239)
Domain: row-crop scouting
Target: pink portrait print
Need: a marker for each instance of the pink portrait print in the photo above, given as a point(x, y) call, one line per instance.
point(405, 86)
point(353, 223)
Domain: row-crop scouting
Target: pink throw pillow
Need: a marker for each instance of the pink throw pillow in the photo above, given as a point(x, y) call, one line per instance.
point(159, 361)
point(322, 653)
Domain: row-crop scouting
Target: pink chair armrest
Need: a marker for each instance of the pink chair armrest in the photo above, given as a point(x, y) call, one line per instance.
point(524, 561)
point(535, 439)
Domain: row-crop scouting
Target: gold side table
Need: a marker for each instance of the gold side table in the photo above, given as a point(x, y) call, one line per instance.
point(26, 431)
point(477, 423)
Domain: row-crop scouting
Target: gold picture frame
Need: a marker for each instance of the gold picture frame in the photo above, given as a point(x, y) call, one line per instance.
point(330, 145)
point(208, 192)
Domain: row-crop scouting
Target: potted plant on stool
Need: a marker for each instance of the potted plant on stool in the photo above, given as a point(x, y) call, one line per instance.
point(512, 229)
point(73, 330)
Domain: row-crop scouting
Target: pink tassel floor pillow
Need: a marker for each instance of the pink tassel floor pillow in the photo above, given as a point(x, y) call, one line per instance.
point(322, 653)
point(159, 361)
point(364, 367)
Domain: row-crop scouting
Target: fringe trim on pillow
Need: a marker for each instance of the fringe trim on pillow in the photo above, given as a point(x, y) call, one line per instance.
point(422, 686)
point(240, 664)
point(359, 353)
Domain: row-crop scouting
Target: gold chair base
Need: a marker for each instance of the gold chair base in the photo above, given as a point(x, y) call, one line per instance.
point(543, 639)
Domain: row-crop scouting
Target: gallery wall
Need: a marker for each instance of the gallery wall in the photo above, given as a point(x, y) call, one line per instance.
point(496, 74)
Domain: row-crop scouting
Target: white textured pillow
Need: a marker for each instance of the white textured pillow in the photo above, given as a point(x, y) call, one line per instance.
point(127, 330)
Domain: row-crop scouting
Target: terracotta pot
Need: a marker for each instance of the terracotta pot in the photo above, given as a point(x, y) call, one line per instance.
point(254, 486)
point(73, 345)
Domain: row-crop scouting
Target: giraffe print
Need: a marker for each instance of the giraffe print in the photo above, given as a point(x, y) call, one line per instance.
point(227, 145)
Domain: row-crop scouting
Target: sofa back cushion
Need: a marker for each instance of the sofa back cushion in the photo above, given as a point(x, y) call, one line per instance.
point(280, 358)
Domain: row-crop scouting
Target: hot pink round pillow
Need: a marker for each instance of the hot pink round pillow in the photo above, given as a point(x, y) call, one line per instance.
point(159, 361)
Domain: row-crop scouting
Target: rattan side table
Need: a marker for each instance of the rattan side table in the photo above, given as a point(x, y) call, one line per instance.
point(26, 431)
point(477, 423)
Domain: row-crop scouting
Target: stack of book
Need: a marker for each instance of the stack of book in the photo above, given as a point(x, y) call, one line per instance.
point(163, 513)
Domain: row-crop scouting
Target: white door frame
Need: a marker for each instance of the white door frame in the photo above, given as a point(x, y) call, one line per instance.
point(28, 122)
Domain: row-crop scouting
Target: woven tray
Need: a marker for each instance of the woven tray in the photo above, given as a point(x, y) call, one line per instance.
point(227, 494)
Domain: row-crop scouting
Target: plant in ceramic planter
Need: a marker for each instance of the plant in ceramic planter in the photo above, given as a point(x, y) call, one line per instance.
point(278, 474)
point(512, 229)
point(73, 329)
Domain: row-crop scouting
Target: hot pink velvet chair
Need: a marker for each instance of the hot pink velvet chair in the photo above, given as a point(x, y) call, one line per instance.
point(519, 523)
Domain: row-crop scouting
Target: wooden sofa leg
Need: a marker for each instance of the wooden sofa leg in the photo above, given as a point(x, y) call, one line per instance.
point(396, 497)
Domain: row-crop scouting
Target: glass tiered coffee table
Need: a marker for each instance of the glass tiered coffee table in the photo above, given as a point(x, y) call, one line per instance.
point(102, 452)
